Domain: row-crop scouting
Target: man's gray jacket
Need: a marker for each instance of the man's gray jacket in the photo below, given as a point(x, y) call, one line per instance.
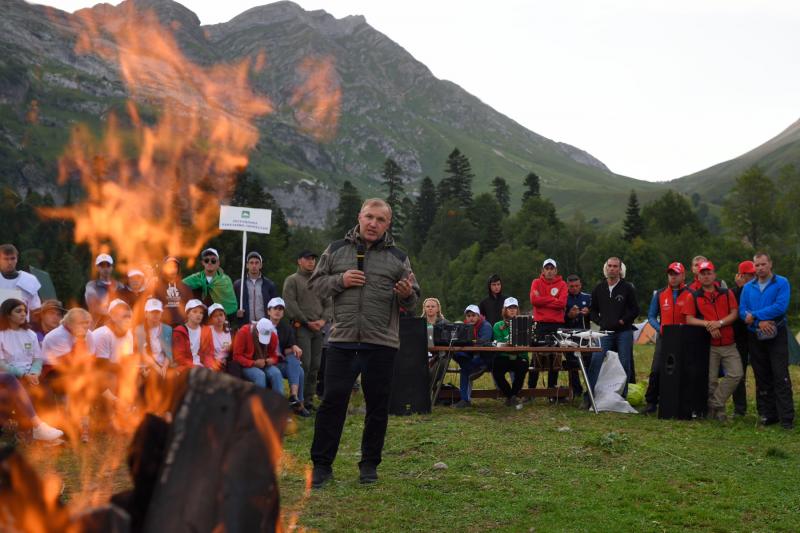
point(370, 313)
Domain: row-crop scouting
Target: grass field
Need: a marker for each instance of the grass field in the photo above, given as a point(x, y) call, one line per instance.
point(544, 468)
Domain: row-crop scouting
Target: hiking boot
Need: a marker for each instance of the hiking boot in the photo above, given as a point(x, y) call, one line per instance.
point(320, 475)
point(462, 404)
point(788, 426)
point(46, 432)
point(650, 409)
point(367, 473)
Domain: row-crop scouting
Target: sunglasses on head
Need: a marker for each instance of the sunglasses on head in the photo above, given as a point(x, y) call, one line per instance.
point(210, 260)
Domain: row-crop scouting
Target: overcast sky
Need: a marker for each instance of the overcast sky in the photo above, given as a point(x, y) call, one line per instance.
point(654, 89)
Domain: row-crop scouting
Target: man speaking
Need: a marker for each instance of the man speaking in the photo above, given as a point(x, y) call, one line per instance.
point(369, 280)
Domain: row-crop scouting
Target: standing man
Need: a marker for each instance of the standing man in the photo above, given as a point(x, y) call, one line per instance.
point(369, 278)
point(549, 299)
point(25, 285)
point(577, 317)
point(764, 303)
point(614, 309)
point(716, 309)
point(101, 291)
point(258, 291)
point(666, 308)
point(746, 272)
point(211, 285)
point(308, 313)
point(491, 307)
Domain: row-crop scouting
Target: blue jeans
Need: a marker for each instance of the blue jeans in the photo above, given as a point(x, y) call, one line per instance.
point(260, 376)
point(469, 363)
point(292, 370)
point(620, 342)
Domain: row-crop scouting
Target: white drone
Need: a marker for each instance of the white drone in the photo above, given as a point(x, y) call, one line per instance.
point(579, 338)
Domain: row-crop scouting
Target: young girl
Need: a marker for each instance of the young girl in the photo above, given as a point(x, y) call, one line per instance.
point(20, 354)
point(192, 344)
point(514, 362)
point(154, 339)
point(220, 335)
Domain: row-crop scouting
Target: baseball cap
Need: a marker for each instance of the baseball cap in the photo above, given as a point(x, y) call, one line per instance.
point(135, 272)
point(705, 265)
point(254, 254)
point(104, 258)
point(473, 308)
point(676, 267)
point(549, 261)
point(53, 305)
point(215, 307)
point(115, 303)
point(510, 301)
point(191, 304)
point(747, 267)
point(210, 251)
point(306, 253)
point(265, 327)
point(153, 304)
point(275, 302)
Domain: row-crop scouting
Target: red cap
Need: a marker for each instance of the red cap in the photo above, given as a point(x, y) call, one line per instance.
point(705, 265)
point(676, 267)
point(747, 267)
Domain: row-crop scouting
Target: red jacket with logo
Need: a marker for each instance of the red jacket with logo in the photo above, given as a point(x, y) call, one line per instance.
point(714, 306)
point(671, 311)
point(549, 299)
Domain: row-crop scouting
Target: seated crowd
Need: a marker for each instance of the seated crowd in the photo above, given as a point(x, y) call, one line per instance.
point(166, 324)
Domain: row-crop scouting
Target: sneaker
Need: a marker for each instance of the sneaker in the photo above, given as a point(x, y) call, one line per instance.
point(299, 410)
point(788, 426)
point(461, 404)
point(320, 475)
point(367, 473)
point(650, 409)
point(766, 421)
point(46, 432)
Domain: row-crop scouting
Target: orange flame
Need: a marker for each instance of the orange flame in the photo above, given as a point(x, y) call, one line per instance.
point(317, 100)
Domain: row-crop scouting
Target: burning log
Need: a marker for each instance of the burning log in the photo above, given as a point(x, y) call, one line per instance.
point(208, 465)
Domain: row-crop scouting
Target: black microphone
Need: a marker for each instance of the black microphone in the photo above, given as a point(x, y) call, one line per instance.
point(360, 256)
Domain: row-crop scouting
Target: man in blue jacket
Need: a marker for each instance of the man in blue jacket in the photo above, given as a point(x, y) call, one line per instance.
point(763, 306)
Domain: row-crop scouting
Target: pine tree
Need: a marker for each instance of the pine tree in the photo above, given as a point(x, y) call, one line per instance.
point(531, 187)
point(634, 225)
point(423, 214)
point(457, 183)
point(347, 212)
point(393, 183)
point(487, 218)
point(502, 193)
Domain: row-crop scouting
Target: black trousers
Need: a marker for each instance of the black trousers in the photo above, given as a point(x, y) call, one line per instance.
point(503, 365)
point(653, 385)
point(342, 367)
point(770, 362)
point(740, 393)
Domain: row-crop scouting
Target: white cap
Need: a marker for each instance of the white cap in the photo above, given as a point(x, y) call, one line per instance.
point(115, 302)
point(549, 261)
point(210, 251)
point(265, 327)
point(191, 304)
point(215, 307)
point(135, 272)
point(103, 258)
point(510, 301)
point(275, 302)
point(153, 304)
point(474, 308)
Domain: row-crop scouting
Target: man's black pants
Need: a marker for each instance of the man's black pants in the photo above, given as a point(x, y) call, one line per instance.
point(740, 393)
point(503, 365)
point(770, 362)
point(342, 367)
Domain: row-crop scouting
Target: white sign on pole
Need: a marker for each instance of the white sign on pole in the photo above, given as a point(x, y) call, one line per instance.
point(245, 219)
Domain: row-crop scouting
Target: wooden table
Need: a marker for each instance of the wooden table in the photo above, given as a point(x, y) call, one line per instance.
point(441, 367)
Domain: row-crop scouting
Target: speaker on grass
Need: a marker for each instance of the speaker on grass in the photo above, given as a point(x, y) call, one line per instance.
point(411, 389)
point(684, 372)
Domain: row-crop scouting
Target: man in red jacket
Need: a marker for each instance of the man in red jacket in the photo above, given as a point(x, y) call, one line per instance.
point(549, 300)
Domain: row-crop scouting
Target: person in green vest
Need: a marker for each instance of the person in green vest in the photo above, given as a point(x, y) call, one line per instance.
point(515, 363)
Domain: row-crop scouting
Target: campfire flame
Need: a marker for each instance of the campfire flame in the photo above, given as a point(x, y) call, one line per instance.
point(317, 100)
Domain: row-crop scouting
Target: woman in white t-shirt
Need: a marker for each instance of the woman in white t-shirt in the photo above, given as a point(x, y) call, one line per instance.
point(20, 354)
point(220, 334)
point(154, 339)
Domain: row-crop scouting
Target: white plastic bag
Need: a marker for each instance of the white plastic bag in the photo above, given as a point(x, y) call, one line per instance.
point(610, 383)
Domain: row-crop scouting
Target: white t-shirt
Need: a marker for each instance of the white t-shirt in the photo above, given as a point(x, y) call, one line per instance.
point(611, 287)
point(27, 288)
point(19, 348)
point(109, 346)
point(222, 344)
point(194, 342)
point(60, 342)
point(155, 345)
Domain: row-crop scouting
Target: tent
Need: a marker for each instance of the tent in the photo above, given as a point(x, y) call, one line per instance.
point(644, 334)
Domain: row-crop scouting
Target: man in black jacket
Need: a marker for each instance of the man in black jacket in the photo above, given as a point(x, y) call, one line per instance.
point(614, 309)
point(491, 307)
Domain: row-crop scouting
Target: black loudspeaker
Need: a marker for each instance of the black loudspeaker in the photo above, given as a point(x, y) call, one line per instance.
point(411, 388)
point(684, 372)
